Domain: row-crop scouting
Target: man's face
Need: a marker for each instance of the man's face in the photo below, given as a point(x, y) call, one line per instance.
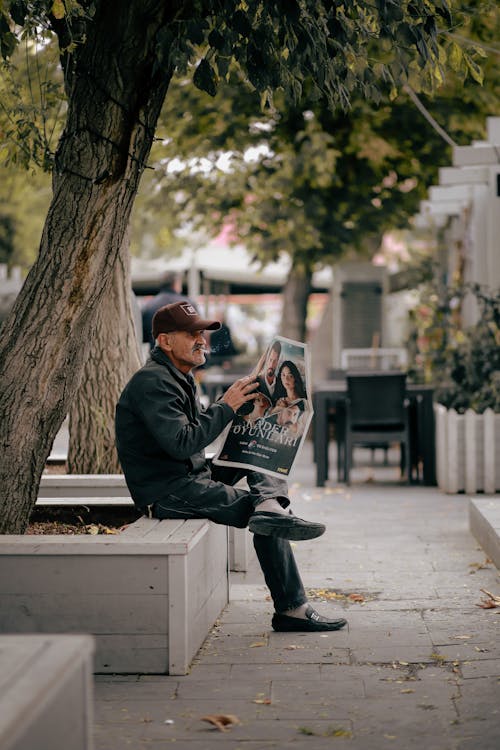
point(290, 415)
point(272, 364)
point(186, 349)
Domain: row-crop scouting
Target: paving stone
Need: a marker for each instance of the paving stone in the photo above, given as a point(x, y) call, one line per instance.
point(143, 692)
point(395, 653)
point(299, 691)
point(386, 681)
point(481, 668)
point(278, 671)
point(471, 651)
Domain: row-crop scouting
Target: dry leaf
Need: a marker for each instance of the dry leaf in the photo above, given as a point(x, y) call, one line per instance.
point(257, 644)
point(262, 701)
point(487, 604)
point(438, 657)
point(221, 721)
point(477, 566)
point(356, 598)
point(491, 602)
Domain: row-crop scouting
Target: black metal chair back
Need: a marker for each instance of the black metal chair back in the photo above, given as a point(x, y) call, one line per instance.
point(376, 414)
point(376, 399)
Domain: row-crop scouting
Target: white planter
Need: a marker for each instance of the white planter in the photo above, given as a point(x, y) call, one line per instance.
point(148, 595)
point(46, 692)
point(110, 490)
point(467, 451)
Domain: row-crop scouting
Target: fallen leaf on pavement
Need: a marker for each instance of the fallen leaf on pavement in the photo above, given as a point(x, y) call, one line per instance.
point(479, 566)
point(356, 597)
point(491, 602)
point(221, 721)
point(438, 657)
point(487, 604)
point(257, 644)
point(262, 701)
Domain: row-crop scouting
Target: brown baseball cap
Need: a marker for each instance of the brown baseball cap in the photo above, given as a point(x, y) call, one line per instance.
point(180, 316)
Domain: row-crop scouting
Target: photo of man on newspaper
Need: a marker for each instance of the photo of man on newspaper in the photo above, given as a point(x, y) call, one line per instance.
point(271, 435)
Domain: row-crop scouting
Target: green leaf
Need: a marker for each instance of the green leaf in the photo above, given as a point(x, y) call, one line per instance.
point(18, 11)
point(8, 44)
point(205, 78)
point(58, 10)
point(223, 62)
point(216, 39)
point(474, 69)
point(196, 31)
point(455, 56)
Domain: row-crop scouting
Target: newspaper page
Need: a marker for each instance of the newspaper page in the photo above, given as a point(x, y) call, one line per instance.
point(269, 437)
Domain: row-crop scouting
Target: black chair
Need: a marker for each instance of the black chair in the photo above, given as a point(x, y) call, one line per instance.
point(376, 414)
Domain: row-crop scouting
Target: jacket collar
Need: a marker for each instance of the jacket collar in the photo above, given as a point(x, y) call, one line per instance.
point(159, 356)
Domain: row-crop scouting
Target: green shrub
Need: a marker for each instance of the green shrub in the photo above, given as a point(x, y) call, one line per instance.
point(462, 364)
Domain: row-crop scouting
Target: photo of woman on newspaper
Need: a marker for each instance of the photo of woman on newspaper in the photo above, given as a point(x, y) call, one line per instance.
point(271, 435)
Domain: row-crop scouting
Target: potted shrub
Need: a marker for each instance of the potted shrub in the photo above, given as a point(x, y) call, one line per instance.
point(464, 366)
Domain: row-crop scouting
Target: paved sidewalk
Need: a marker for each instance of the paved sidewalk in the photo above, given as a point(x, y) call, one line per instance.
point(419, 666)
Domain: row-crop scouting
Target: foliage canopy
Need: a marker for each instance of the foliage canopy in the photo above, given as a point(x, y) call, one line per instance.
point(317, 48)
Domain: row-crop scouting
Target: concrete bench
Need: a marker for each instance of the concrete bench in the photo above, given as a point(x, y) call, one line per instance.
point(46, 692)
point(111, 489)
point(484, 524)
point(149, 595)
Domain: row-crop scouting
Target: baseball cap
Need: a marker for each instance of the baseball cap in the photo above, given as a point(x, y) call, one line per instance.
point(180, 316)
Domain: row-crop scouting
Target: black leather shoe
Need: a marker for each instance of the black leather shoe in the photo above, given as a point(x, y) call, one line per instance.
point(313, 623)
point(285, 526)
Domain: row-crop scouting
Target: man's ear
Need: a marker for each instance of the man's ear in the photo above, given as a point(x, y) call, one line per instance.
point(164, 341)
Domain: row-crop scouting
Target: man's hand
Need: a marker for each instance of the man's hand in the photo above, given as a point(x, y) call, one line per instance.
point(240, 392)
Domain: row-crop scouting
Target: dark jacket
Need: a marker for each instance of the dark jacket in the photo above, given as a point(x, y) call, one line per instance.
point(161, 432)
point(264, 388)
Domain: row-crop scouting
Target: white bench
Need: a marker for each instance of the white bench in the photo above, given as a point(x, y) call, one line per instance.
point(46, 692)
point(149, 595)
point(111, 490)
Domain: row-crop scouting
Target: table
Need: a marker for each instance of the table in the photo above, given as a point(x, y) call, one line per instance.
point(332, 393)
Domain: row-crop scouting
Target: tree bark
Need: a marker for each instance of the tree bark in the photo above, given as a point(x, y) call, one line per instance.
point(113, 357)
point(295, 296)
point(115, 93)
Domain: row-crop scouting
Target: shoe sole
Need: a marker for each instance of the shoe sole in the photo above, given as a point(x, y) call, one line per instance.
point(292, 533)
point(308, 628)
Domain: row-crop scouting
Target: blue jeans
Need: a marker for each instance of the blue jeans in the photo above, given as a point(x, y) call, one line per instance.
point(210, 494)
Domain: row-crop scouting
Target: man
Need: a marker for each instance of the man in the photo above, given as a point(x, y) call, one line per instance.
point(161, 434)
point(267, 379)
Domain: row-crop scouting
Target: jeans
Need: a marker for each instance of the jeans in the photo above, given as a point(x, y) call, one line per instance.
point(211, 494)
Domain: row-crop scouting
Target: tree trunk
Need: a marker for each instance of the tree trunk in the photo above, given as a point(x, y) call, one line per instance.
point(113, 357)
point(115, 93)
point(295, 297)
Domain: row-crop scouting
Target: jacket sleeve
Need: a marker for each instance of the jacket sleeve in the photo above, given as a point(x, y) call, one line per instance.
point(167, 412)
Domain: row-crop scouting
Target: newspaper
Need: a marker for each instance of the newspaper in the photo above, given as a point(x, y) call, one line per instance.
point(269, 437)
